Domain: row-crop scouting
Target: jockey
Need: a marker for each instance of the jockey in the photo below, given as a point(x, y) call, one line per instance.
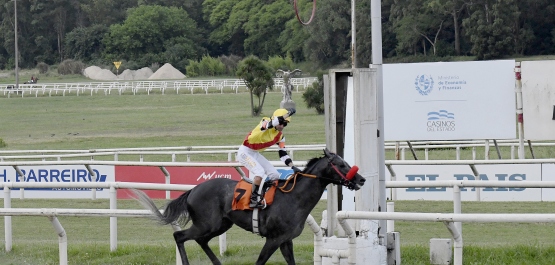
point(264, 135)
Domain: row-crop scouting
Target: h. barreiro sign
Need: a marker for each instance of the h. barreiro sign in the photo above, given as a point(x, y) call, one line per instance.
point(58, 174)
point(144, 174)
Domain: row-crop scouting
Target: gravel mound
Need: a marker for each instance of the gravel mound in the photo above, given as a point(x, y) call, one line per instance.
point(167, 71)
point(141, 74)
point(96, 73)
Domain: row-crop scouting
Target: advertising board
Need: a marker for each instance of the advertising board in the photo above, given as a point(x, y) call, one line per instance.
point(527, 172)
point(54, 174)
point(538, 100)
point(449, 100)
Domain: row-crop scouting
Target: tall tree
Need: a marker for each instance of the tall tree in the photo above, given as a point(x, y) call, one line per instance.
point(105, 12)
point(329, 43)
point(490, 29)
point(154, 34)
point(451, 8)
point(259, 78)
point(264, 27)
point(227, 32)
point(416, 22)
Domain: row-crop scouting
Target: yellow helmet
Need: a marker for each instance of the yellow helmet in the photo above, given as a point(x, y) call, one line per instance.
point(281, 112)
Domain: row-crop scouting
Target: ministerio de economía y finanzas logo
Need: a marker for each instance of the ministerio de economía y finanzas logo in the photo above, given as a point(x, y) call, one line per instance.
point(424, 84)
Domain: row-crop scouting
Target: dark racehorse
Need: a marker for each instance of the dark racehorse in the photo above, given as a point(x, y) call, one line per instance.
point(208, 205)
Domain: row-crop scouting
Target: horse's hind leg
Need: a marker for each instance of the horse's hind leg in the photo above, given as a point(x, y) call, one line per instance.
point(201, 235)
point(204, 245)
point(287, 251)
point(269, 248)
point(180, 242)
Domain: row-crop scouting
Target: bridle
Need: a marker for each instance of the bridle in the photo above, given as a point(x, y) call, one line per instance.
point(346, 180)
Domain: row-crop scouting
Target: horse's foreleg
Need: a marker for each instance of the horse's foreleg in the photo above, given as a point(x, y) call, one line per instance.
point(180, 242)
point(287, 252)
point(269, 248)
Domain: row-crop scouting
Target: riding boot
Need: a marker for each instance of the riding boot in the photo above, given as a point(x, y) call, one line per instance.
point(255, 197)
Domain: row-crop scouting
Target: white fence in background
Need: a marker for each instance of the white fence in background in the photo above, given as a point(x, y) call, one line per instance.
point(231, 150)
point(453, 222)
point(113, 212)
point(142, 87)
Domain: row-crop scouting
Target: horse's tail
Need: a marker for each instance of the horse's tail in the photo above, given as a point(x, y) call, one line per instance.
point(175, 211)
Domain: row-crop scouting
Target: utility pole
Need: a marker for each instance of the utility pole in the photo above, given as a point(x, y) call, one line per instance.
point(16, 50)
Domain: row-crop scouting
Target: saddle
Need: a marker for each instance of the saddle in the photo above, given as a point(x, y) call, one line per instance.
point(243, 190)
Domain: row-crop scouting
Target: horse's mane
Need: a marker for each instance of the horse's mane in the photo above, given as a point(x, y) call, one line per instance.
point(312, 161)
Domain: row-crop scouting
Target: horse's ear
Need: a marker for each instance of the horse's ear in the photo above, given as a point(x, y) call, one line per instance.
point(327, 152)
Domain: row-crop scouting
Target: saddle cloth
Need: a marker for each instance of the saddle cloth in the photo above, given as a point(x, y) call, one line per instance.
point(242, 195)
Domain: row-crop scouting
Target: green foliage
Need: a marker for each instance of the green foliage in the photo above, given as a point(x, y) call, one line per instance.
point(211, 66)
point(3, 61)
point(278, 62)
point(171, 31)
point(489, 30)
point(230, 63)
point(193, 69)
point(314, 95)
point(154, 34)
point(70, 67)
point(328, 41)
point(259, 78)
point(2, 143)
point(42, 67)
point(85, 43)
point(208, 66)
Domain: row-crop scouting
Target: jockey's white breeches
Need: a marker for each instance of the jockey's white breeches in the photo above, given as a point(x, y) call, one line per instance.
point(256, 163)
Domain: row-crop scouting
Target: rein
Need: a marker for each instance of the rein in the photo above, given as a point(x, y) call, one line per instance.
point(282, 188)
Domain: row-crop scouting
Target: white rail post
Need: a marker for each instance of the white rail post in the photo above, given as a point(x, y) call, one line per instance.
point(486, 150)
point(7, 219)
point(457, 205)
point(113, 219)
point(390, 223)
point(62, 239)
point(177, 255)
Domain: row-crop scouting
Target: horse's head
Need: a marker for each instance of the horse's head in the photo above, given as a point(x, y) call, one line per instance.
point(342, 173)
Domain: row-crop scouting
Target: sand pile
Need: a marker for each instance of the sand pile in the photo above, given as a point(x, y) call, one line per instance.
point(167, 71)
point(96, 73)
point(141, 74)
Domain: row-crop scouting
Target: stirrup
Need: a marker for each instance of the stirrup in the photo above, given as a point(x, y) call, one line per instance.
point(254, 200)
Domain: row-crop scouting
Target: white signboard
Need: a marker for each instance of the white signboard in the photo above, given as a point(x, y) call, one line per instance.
point(538, 99)
point(548, 174)
point(449, 100)
point(463, 172)
point(57, 174)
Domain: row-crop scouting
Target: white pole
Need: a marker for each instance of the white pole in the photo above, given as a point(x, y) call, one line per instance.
point(16, 48)
point(62, 239)
point(390, 223)
point(113, 220)
point(353, 36)
point(519, 112)
point(376, 20)
point(7, 220)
